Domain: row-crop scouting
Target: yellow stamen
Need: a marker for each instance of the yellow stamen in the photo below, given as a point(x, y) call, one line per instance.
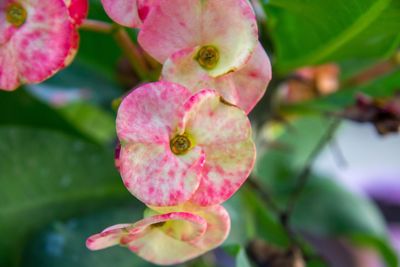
point(16, 14)
point(180, 144)
point(208, 57)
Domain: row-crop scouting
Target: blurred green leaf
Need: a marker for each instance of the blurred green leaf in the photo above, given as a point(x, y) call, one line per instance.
point(277, 165)
point(91, 120)
point(309, 32)
point(80, 75)
point(47, 175)
point(268, 227)
point(20, 108)
point(239, 253)
point(242, 220)
point(62, 244)
point(326, 208)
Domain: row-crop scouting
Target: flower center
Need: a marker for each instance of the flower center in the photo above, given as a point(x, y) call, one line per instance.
point(16, 14)
point(208, 57)
point(180, 144)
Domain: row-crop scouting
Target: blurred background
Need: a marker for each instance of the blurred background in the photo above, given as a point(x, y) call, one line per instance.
point(326, 187)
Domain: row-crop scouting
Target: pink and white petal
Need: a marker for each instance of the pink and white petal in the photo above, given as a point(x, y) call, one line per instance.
point(144, 8)
point(230, 26)
point(252, 80)
point(149, 113)
point(156, 176)
point(226, 168)
point(159, 248)
point(124, 12)
point(78, 10)
point(183, 226)
point(172, 25)
point(44, 41)
point(108, 237)
point(212, 121)
point(8, 68)
point(182, 68)
point(73, 49)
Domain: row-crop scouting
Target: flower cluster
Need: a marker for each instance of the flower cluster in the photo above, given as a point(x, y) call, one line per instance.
point(185, 141)
point(37, 38)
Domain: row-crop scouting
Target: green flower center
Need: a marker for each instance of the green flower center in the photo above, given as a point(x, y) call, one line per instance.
point(180, 144)
point(208, 57)
point(16, 14)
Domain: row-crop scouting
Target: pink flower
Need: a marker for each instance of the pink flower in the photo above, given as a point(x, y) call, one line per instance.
point(223, 33)
point(243, 88)
point(130, 13)
point(170, 236)
point(177, 147)
point(37, 38)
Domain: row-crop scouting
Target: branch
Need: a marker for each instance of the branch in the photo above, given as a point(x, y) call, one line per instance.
point(132, 52)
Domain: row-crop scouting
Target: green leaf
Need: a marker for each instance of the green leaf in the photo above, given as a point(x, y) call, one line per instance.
point(276, 166)
point(239, 253)
point(313, 32)
point(267, 226)
point(91, 120)
point(62, 244)
point(326, 208)
point(47, 175)
point(20, 108)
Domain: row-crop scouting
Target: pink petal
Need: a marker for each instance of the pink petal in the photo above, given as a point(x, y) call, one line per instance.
point(184, 234)
point(252, 80)
point(212, 121)
point(149, 113)
point(161, 249)
point(124, 12)
point(78, 10)
point(228, 25)
point(43, 43)
point(243, 88)
point(226, 169)
point(156, 176)
point(8, 69)
point(108, 238)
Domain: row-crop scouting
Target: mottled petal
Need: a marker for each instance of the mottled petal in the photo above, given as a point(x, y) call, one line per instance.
point(212, 121)
point(156, 176)
point(108, 238)
point(43, 43)
point(243, 88)
point(228, 25)
point(252, 80)
point(149, 113)
point(226, 168)
point(124, 12)
point(8, 69)
point(78, 10)
point(159, 247)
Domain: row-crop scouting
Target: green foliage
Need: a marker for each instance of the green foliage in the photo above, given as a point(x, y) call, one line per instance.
point(46, 175)
point(239, 254)
point(323, 208)
point(91, 120)
point(62, 244)
point(313, 32)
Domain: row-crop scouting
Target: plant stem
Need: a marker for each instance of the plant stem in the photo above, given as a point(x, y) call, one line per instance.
point(131, 51)
point(97, 26)
point(304, 175)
